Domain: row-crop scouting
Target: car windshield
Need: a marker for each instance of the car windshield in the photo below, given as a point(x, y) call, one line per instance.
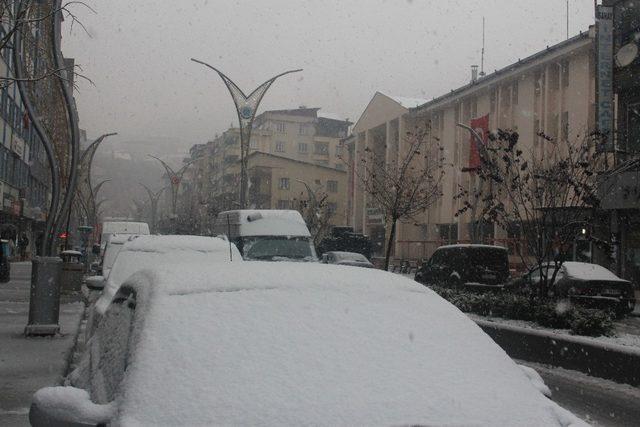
point(278, 248)
point(110, 254)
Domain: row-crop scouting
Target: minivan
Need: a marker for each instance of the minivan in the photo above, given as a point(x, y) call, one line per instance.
point(267, 234)
point(474, 266)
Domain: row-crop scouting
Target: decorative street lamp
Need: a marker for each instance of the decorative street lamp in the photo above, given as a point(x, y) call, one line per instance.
point(175, 179)
point(246, 107)
point(153, 200)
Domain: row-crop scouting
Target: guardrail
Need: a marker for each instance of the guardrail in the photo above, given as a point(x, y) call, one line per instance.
point(613, 362)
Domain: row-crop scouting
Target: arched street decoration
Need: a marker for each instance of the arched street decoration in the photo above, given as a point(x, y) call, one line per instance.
point(175, 179)
point(154, 197)
point(85, 190)
point(94, 208)
point(246, 107)
point(27, 95)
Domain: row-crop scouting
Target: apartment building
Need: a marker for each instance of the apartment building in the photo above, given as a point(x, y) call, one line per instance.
point(552, 91)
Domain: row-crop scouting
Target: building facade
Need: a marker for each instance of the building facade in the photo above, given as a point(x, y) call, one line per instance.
point(550, 92)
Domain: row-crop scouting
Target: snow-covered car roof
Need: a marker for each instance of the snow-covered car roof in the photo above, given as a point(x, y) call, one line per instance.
point(471, 245)
point(349, 256)
point(587, 271)
point(155, 251)
point(282, 344)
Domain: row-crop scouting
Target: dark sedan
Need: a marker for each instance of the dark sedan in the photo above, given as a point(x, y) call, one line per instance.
point(580, 282)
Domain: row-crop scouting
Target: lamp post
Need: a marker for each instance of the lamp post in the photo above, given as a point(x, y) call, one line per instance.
point(246, 107)
point(154, 197)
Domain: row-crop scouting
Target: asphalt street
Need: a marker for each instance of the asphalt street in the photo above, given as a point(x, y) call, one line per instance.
point(597, 401)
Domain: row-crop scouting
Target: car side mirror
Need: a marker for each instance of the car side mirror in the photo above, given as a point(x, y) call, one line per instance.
point(95, 283)
point(68, 406)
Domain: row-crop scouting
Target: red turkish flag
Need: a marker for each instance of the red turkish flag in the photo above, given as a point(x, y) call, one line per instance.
point(481, 126)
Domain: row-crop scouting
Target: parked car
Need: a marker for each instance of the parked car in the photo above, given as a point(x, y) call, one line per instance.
point(267, 234)
point(346, 258)
point(149, 252)
point(279, 344)
point(580, 282)
point(474, 266)
point(111, 251)
point(111, 228)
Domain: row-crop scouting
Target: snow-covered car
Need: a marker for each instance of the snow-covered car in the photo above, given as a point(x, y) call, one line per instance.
point(346, 258)
point(112, 249)
point(580, 282)
point(152, 251)
point(279, 344)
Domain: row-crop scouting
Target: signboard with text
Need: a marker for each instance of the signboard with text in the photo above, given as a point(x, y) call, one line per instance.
point(604, 76)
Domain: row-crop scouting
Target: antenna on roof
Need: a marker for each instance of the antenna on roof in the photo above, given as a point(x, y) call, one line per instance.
point(482, 74)
point(567, 19)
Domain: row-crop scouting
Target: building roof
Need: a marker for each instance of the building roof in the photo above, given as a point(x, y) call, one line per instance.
point(255, 153)
point(498, 74)
point(407, 102)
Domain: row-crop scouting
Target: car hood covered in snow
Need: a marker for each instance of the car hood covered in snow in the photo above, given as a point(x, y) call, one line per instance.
point(305, 344)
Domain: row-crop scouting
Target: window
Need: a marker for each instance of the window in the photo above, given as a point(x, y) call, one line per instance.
point(282, 204)
point(284, 183)
point(303, 129)
point(321, 148)
point(332, 207)
point(565, 73)
point(253, 144)
point(332, 186)
point(280, 147)
point(514, 93)
point(340, 166)
point(303, 147)
point(565, 126)
point(280, 127)
point(339, 150)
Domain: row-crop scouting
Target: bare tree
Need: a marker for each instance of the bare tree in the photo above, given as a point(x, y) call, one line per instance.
point(546, 199)
point(404, 187)
point(315, 210)
point(22, 16)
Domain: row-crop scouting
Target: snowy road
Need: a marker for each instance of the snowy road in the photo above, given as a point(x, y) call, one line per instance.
point(599, 402)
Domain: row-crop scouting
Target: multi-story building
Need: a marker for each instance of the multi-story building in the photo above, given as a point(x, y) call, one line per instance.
point(552, 91)
point(24, 172)
point(296, 145)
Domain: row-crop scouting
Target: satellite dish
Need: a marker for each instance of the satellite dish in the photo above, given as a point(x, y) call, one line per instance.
point(626, 54)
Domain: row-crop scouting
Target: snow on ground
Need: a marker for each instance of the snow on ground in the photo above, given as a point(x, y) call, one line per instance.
point(621, 338)
point(279, 344)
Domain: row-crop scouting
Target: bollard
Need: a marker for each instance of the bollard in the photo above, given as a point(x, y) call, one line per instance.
point(44, 301)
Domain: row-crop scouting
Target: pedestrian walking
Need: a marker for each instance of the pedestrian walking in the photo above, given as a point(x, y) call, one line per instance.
point(23, 244)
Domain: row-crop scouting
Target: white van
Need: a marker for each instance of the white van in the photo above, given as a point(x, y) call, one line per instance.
point(268, 235)
point(109, 228)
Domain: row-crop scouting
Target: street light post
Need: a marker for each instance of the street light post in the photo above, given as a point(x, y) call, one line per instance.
point(246, 107)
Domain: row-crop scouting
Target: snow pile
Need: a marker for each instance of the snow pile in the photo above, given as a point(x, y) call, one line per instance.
point(72, 405)
point(407, 102)
point(536, 380)
point(586, 271)
point(313, 344)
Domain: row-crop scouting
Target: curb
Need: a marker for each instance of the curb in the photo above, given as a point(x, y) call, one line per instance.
point(609, 361)
point(69, 354)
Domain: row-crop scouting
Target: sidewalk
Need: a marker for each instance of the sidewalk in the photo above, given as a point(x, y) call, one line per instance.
point(27, 364)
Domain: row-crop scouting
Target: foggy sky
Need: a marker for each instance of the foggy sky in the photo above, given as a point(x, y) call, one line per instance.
point(146, 87)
